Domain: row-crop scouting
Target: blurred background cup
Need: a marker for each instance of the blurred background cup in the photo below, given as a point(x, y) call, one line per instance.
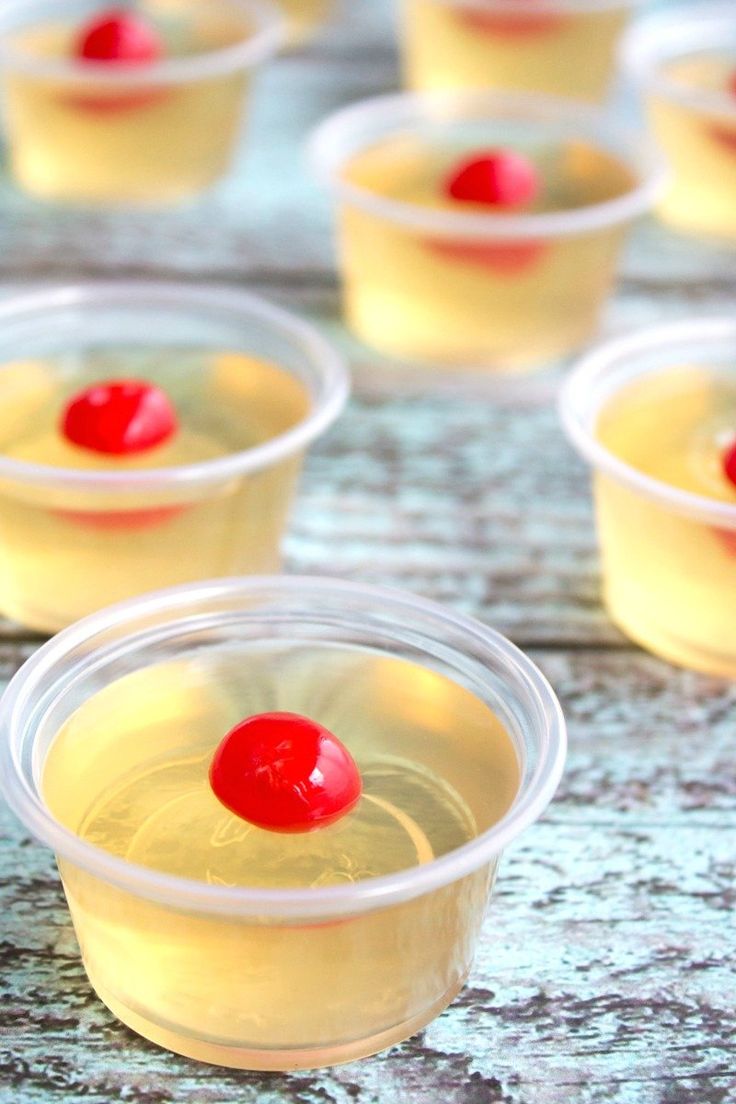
point(460, 288)
point(563, 47)
point(99, 132)
point(270, 977)
point(668, 555)
point(683, 61)
point(249, 381)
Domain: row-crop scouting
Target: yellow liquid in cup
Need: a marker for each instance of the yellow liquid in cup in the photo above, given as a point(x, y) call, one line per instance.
point(471, 303)
point(67, 552)
point(128, 772)
point(670, 582)
point(304, 18)
point(701, 148)
point(97, 143)
point(448, 46)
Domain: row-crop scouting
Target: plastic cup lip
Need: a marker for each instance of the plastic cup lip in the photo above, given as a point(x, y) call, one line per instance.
point(535, 7)
point(325, 407)
point(263, 40)
point(592, 376)
point(333, 143)
point(675, 32)
point(35, 678)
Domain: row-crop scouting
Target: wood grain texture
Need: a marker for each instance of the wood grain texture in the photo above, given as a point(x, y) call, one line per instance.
point(607, 966)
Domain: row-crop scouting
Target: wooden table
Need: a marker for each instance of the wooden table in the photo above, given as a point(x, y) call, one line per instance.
point(606, 971)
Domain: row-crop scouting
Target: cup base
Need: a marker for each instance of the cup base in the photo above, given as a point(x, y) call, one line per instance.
point(282, 1060)
point(664, 644)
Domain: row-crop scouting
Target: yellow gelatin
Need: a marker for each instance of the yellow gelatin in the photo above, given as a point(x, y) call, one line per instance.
point(670, 579)
point(470, 302)
point(66, 549)
point(700, 145)
point(304, 18)
point(101, 142)
point(128, 772)
point(451, 45)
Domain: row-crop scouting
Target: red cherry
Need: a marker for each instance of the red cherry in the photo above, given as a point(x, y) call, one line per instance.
point(512, 258)
point(518, 26)
point(284, 773)
point(496, 178)
point(118, 35)
point(119, 417)
point(120, 519)
point(729, 463)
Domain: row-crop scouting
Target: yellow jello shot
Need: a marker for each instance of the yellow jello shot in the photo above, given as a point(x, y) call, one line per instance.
point(304, 18)
point(655, 415)
point(140, 104)
point(684, 64)
point(278, 807)
point(562, 47)
point(152, 434)
point(480, 231)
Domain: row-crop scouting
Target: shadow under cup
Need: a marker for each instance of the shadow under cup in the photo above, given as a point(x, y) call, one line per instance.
point(277, 978)
point(668, 556)
point(253, 386)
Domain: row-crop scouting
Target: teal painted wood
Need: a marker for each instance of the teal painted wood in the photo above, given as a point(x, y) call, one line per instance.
point(606, 970)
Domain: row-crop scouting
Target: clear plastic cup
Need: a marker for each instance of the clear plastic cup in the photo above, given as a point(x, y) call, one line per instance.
point(304, 18)
point(237, 370)
point(92, 132)
point(668, 555)
point(276, 978)
point(562, 47)
point(682, 60)
point(467, 291)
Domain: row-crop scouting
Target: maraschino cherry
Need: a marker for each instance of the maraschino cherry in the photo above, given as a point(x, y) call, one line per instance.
point(496, 178)
point(729, 463)
point(284, 773)
point(500, 180)
point(119, 417)
point(508, 23)
point(118, 35)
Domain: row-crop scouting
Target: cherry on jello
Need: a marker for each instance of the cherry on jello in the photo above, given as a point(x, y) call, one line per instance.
point(285, 773)
point(120, 36)
point(496, 178)
point(729, 464)
point(119, 417)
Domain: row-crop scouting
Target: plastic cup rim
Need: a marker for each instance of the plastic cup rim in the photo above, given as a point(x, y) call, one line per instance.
point(668, 34)
point(267, 35)
point(573, 401)
point(324, 408)
point(329, 147)
point(283, 903)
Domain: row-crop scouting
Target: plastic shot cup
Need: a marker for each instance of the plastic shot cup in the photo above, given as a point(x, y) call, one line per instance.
point(458, 289)
point(270, 977)
point(562, 47)
point(91, 132)
point(304, 18)
point(669, 555)
point(252, 386)
point(683, 61)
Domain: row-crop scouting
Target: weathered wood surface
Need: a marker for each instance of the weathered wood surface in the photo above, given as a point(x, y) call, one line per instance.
point(607, 968)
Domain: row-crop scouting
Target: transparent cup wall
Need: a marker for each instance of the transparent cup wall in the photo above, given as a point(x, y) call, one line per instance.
point(107, 535)
point(566, 49)
point(278, 978)
point(683, 63)
point(459, 291)
point(667, 556)
point(84, 133)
